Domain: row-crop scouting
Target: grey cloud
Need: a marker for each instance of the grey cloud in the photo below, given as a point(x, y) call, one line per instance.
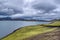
point(57, 1)
point(9, 7)
point(10, 11)
point(47, 7)
point(15, 8)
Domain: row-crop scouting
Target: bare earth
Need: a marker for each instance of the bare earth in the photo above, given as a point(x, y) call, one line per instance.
point(54, 35)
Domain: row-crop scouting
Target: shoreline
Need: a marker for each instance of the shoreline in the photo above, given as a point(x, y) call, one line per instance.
point(25, 27)
point(26, 20)
point(20, 28)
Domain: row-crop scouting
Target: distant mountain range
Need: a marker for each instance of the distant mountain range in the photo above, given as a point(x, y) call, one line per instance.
point(24, 18)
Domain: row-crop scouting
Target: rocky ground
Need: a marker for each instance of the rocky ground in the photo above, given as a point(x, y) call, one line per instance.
point(54, 35)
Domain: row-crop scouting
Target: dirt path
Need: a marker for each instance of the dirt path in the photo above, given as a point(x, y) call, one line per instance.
point(55, 35)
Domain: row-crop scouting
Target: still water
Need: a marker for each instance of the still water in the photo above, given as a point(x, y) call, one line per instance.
point(7, 27)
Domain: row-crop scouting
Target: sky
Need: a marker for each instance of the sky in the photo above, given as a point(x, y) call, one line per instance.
point(49, 9)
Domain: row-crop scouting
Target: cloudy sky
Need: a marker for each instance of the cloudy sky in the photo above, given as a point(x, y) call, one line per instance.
point(49, 9)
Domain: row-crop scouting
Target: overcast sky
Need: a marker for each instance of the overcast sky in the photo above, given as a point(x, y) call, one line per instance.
point(41, 8)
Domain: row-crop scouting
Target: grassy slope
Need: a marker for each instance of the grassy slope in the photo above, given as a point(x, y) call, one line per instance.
point(29, 31)
point(55, 23)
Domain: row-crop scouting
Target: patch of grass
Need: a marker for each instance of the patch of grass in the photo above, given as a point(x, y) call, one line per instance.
point(55, 23)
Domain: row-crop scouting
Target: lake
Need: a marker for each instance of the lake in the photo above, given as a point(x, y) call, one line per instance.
point(7, 27)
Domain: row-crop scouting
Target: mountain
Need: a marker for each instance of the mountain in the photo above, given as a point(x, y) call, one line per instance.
point(25, 18)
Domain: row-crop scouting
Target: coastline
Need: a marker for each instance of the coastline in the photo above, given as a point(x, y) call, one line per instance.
point(30, 26)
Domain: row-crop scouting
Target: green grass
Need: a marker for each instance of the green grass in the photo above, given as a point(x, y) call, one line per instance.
point(54, 23)
point(30, 31)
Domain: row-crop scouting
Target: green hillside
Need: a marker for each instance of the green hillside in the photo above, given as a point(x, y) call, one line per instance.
point(53, 24)
point(29, 31)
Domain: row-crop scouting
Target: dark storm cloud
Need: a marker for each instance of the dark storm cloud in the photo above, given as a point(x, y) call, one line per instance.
point(47, 7)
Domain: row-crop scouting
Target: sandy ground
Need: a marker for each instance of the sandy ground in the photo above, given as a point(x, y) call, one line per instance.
point(54, 35)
